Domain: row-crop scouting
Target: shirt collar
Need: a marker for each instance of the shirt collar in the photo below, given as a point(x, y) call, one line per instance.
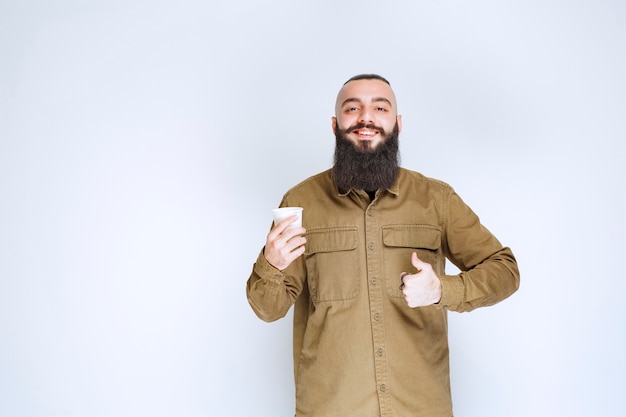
point(394, 189)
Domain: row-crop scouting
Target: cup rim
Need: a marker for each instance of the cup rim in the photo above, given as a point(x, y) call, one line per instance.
point(279, 209)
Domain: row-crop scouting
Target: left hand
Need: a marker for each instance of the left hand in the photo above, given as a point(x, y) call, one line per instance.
point(422, 288)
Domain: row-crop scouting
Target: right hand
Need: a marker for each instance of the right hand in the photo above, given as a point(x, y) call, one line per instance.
point(284, 245)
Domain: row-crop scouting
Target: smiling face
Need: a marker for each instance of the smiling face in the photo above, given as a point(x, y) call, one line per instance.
point(366, 112)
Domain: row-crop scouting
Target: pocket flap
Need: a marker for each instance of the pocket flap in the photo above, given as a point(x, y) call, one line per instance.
point(331, 239)
point(412, 236)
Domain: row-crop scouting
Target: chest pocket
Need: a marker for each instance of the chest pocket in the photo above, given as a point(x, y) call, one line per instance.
point(333, 269)
point(400, 241)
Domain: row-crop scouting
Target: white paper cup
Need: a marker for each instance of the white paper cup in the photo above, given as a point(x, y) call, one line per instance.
point(284, 212)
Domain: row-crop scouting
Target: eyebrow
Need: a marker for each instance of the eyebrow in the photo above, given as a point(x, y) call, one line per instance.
point(374, 100)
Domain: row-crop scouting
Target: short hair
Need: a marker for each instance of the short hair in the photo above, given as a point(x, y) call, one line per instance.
point(368, 77)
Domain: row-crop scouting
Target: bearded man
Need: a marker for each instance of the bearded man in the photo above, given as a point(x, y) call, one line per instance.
point(366, 271)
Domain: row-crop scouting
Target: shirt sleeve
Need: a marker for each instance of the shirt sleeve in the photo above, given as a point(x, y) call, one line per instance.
point(489, 271)
point(272, 292)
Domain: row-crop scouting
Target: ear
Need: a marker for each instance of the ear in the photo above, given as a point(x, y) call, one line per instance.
point(399, 120)
point(334, 124)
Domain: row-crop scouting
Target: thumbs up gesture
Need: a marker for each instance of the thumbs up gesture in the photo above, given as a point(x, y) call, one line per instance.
point(422, 288)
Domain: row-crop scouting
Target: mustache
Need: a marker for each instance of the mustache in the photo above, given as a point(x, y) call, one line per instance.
point(365, 126)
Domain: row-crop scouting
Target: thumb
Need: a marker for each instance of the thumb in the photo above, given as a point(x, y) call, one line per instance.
point(417, 262)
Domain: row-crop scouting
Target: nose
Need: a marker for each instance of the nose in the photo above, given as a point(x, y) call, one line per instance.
point(366, 116)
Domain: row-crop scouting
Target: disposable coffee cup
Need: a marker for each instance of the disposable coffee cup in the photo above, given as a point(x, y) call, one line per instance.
point(284, 212)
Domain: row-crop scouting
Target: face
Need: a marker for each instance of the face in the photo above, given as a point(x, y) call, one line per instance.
point(366, 111)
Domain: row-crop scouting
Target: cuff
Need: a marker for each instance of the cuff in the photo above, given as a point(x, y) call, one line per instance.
point(452, 290)
point(266, 271)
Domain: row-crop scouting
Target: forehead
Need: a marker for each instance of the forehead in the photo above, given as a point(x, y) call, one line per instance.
point(366, 91)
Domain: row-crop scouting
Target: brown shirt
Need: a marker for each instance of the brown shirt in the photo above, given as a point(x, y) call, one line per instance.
point(359, 350)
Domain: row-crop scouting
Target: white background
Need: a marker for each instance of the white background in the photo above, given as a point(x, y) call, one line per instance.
point(144, 143)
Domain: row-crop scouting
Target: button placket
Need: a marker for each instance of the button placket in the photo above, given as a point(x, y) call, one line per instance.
point(376, 297)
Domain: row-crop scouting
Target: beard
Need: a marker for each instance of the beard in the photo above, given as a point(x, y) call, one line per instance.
point(361, 167)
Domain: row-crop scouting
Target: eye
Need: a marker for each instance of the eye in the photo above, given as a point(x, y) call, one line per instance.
point(351, 109)
point(381, 109)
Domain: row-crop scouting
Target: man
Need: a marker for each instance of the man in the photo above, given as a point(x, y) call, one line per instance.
point(366, 272)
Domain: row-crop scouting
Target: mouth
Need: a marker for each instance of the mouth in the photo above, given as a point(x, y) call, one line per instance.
point(365, 133)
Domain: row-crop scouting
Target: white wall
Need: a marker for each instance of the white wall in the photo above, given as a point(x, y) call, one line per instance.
point(143, 144)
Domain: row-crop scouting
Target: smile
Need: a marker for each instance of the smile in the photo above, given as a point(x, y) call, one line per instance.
point(365, 133)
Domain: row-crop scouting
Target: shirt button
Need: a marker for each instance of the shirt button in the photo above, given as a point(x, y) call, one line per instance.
point(374, 281)
point(383, 387)
point(370, 245)
point(370, 213)
point(377, 316)
point(380, 352)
